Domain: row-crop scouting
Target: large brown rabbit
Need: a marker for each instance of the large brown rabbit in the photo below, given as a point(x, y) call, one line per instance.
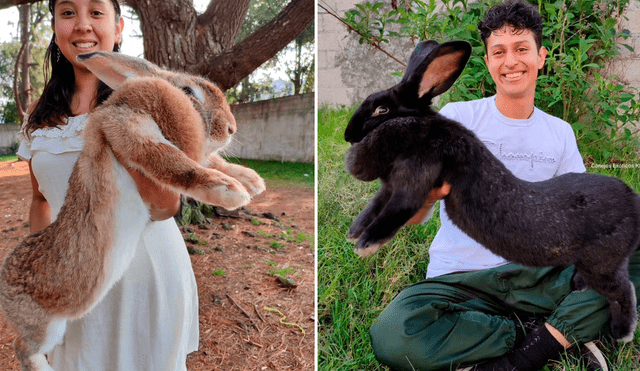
point(165, 124)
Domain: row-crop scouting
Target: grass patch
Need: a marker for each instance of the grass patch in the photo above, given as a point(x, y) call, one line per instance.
point(352, 292)
point(218, 272)
point(282, 272)
point(281, 174)
point(9, 157)
point(276, 245)
point(303, 236)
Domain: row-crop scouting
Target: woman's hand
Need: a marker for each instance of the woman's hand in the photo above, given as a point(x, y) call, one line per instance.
point(163, 203)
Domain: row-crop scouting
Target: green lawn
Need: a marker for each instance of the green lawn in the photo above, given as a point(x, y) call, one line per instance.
point(8, 158)
point(352, 291)
point(282, 174)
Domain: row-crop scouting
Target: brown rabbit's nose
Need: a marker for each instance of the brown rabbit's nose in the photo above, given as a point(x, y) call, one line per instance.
point(231, 128)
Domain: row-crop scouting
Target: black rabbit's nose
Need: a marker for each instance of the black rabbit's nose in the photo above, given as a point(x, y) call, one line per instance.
point(350, 137)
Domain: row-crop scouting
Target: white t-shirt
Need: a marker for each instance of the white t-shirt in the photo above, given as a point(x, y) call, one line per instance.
point(534, 149)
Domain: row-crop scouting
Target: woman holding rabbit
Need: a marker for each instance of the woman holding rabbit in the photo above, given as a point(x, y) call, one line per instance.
point(149, 320)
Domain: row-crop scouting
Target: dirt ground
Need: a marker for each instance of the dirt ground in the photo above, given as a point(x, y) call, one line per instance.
point(243, 302)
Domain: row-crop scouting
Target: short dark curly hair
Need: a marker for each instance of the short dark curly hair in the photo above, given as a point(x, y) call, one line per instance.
point(517, 13)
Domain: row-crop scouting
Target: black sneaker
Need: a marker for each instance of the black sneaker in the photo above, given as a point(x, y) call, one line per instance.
point(592, 357)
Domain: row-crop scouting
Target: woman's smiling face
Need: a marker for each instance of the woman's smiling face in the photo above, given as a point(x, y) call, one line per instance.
point(513, 60)
point(83, 26)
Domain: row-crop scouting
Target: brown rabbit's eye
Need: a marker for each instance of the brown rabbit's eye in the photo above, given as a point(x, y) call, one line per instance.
point(188, 91)
point(381, 111)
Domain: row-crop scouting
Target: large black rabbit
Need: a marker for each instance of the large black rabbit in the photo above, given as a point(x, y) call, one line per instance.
point(587, 220)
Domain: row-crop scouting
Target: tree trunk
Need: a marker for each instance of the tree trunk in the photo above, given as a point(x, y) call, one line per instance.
point(21, 77)
point(25, 68)
point(176, 37)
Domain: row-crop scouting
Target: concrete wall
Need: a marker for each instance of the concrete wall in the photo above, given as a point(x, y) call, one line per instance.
point(348, 72)
point(280, 129)
point(627, 65)
point(346, 68)
point(8, 136)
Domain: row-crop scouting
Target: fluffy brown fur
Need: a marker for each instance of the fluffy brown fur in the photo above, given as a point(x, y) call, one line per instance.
point(164, 124)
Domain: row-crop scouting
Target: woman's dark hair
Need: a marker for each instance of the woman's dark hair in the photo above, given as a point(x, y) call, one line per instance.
point(54, 105)
point(519, 14)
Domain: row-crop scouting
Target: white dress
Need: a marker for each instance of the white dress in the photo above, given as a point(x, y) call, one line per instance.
point(149, 320)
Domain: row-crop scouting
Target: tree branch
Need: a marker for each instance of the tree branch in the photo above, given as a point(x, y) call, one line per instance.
point(4, 4)
point(375, 44)
point(231, 66)
point(226, 19)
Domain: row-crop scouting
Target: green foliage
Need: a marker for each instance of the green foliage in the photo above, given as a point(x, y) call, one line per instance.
point(296, 60)
point(193, 238)
point(194, 212)
point(39, 39)
point(582, 36)
point(301, 68)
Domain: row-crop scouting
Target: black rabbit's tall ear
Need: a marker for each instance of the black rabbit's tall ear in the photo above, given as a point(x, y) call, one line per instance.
point(420, 54)
point(434, 73)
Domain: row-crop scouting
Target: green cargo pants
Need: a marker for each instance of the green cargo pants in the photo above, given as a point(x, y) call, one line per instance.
point(467, 317)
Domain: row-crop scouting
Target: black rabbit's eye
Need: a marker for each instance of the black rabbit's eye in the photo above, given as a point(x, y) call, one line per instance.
point(187, 90)
point(381, 111)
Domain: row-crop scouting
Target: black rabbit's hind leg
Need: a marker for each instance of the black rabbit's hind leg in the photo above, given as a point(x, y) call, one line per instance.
point(394, 215)
point(579, 283)
point(624, 313)
point(368, 215)
point(621, 293)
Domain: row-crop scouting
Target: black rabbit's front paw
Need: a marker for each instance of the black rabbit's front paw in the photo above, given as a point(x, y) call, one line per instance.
point(355, 231)
point(365, 246)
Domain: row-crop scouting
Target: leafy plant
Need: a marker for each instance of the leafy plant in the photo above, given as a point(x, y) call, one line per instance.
point(194, 212)
point(271, 263)
point(582, 36)
point(193, 238)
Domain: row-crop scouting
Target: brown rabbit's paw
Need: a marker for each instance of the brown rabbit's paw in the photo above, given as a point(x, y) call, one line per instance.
point(254, 185)
point(249, 179)
point(232, 195)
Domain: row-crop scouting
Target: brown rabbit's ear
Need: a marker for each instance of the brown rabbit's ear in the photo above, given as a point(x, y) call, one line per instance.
point(115, 68)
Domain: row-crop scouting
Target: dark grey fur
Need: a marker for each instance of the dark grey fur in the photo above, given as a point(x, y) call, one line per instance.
point(587, 220)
